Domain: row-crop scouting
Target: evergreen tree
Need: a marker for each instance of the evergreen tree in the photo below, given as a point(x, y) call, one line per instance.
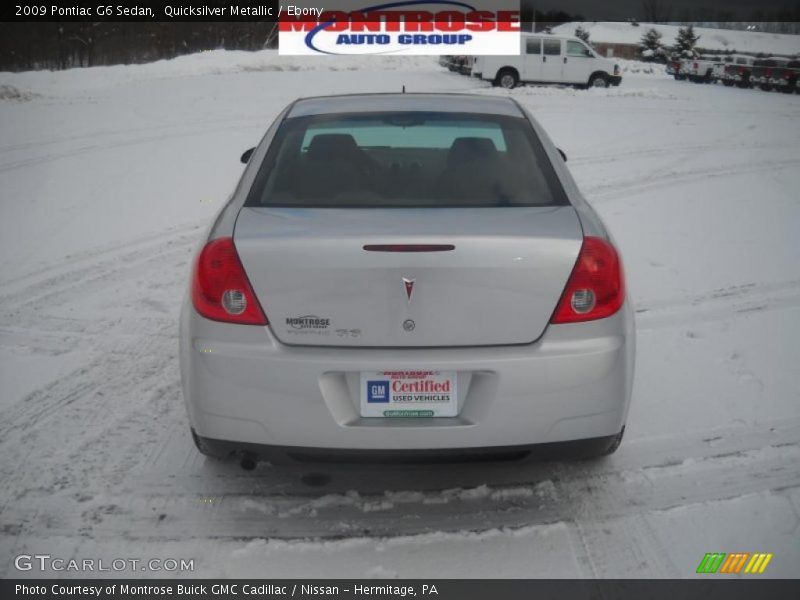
point(581, 33)
point(685, 41)
point(650, 45)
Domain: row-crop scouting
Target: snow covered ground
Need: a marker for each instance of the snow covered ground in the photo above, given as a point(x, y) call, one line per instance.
point(108, 178)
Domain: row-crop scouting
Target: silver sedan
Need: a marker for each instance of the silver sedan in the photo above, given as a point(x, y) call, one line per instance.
point(406, 274)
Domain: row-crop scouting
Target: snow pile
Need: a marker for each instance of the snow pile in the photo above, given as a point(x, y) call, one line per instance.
point(10, 92)
point(637, 68)
point(710, 39)
point(532, 90)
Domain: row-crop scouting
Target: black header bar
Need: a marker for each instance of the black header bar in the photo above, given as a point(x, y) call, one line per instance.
point(150, 11)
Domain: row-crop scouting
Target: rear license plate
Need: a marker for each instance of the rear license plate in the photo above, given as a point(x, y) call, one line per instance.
point(408, 394)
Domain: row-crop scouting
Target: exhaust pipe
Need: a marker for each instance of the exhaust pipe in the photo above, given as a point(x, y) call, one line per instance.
point(248, 461)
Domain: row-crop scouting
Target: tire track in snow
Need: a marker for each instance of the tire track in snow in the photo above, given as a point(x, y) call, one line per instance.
point(99, 267)
point(621, 189)
point(200, 130)
point(97, 255)
point(650, 152)
point(719, 303)
point(218, 501)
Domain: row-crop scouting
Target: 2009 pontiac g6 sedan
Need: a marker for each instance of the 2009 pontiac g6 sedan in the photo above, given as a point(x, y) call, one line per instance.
point(406, 273)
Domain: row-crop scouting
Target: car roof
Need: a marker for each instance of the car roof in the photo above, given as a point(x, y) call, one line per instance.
point(450, 103)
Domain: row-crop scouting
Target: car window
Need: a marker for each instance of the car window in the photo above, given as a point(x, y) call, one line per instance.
point(577, 49)
point(533, 46)
point(405, 160)
point(552, 47)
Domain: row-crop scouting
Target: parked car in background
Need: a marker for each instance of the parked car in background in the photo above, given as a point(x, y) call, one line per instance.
point(673, 66)
point(459, 63)
point(546, 58)
point(785, 78)
point(718, 72)
point(465, 68)
point(737, 71)
point(763, 69)
point(701, 69)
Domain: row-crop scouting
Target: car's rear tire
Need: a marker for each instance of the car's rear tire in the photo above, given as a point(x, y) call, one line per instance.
point(507, 78)
point(765, 87)
point(727, 83)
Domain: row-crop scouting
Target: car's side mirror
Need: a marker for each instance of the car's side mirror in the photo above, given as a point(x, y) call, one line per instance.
point(248, 153)
point(561, 152)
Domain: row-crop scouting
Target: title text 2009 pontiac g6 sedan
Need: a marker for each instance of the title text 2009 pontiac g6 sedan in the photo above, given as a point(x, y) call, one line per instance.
point(406, 274)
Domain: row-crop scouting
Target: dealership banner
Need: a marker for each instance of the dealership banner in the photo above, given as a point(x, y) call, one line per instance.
point(401, 27)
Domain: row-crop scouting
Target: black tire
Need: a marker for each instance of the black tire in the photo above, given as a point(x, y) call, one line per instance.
point(207, 449)
point(786, 89)
point(679, 77)
point(599, 80)
point(727, 83)
point(765, 87)
point(507, 78)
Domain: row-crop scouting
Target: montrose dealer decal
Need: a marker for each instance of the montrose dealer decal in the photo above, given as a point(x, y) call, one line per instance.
point(405, 27)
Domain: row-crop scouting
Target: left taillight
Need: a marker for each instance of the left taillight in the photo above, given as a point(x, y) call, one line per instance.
point(596, 287)
point(220, 288)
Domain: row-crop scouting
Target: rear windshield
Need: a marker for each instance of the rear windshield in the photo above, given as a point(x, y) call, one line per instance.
point(406, 159)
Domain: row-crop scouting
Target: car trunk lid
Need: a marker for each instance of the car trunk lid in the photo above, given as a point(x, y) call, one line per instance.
point(494, 276)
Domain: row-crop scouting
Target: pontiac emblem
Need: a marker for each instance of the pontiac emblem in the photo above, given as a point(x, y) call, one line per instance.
point(409, 283)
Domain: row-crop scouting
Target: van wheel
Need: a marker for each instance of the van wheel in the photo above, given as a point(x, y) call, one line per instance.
point(727, 83)
point(507, 78)
point(598, 80)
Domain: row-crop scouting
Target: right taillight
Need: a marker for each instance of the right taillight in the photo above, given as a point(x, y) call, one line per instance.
point(596, 288)
point(220, 288)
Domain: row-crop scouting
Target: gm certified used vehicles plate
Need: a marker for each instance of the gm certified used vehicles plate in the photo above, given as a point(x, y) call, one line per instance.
point(406, 272)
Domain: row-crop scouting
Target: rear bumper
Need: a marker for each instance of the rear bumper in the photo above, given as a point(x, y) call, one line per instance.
point(586, 448)
point(241, 385)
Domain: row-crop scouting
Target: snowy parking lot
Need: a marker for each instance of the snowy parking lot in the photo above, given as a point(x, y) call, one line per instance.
point(108, 178)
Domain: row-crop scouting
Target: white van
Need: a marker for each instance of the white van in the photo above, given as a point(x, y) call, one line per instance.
point(547, 58)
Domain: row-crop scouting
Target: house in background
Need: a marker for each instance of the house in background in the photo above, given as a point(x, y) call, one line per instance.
point(622, 39)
